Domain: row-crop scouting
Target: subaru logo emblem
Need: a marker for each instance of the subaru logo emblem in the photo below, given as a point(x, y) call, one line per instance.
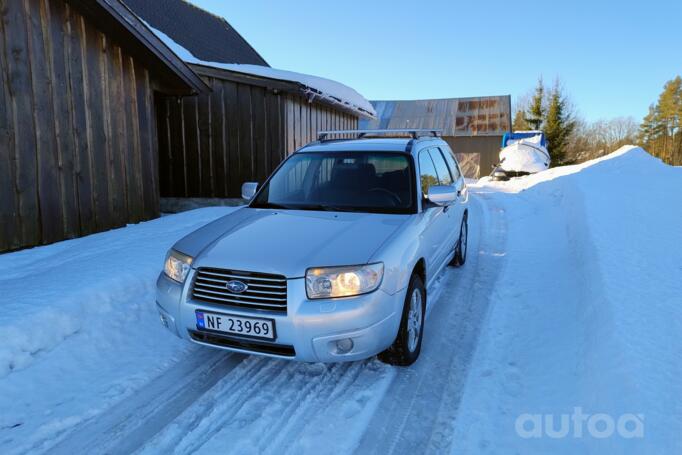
point(236, 287)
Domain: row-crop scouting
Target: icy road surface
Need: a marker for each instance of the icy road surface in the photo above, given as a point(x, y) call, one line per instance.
point(550, 312)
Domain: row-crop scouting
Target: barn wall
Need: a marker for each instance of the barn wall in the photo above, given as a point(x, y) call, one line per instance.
point(212, 143)
point(304, 120)
point(486, 147)
point(78, 150)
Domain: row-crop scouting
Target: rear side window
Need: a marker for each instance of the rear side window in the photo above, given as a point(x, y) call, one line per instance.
point(427, 172)
point(444, 176)
point(452, 164)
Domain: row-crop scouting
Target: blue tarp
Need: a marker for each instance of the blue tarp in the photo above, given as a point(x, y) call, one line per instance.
point(523, 135)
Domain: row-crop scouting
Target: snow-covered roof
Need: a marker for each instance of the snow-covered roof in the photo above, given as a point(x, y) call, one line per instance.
point(313, 87)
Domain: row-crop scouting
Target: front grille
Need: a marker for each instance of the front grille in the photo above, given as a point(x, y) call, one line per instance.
point(247, 345)
point(264, 292)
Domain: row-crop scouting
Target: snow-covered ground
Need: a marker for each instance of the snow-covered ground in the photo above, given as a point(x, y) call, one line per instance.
point(587, 314)
point(570, 298)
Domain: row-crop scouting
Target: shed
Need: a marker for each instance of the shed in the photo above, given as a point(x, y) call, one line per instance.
point(473, 127)
point(253, 117)
point(78, 138)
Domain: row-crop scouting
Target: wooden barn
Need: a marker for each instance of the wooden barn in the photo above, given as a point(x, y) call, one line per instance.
point(253, 117)
point(78, 137)
point(102, 113)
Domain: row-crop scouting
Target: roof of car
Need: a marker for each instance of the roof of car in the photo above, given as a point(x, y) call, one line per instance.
point(363, 145)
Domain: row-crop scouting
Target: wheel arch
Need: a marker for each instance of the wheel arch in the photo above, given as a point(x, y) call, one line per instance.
point(420, 270)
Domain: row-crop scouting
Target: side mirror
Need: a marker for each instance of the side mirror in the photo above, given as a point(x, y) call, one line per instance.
point(442, 195)
point(249, 190)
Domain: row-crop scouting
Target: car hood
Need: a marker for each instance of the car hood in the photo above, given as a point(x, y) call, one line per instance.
point(287, 242)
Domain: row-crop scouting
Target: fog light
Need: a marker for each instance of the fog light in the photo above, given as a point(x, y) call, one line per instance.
point(344, 345)
point(164, 321)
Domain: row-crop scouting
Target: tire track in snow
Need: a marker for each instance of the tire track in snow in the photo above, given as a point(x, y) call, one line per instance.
point(279, 407)
point(418, 413)
point(129, 424)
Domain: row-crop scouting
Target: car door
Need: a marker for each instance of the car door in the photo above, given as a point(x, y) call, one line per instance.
point(453, 212)
point(458, 178)
point(436, 220)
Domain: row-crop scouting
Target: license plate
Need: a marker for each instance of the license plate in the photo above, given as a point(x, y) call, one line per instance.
point(236, 325)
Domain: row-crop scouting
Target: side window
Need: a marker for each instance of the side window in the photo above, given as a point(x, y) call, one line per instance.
point(427, 172)
point(452, 164)
point(441, 168)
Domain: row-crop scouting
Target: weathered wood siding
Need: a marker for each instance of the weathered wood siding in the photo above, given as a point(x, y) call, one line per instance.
point(210, 144)
point(304, 120)
point(78, 150)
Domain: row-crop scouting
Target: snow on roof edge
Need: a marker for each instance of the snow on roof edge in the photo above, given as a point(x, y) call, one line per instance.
point(331, 91)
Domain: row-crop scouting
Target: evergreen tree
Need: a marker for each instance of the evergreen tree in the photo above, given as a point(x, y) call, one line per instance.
point(519, 123)
point(559, 125)
point(647, 130)
point(661, 129)
point(536, 110)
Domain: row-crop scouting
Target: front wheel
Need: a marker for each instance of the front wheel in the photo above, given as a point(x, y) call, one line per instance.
point(407, 345)
point(462, 243)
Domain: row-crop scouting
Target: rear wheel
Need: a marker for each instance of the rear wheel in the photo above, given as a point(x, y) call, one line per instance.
point(462, 243)
point(406, 348)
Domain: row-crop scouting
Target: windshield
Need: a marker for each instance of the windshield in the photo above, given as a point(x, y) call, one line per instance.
point(376, 182)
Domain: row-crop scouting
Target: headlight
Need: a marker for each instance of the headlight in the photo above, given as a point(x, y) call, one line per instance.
point(327, 282)
point(177, 266)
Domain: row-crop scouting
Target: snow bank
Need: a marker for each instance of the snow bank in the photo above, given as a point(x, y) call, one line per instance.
point(587, 315)
point(71, 322)
point(313, 86)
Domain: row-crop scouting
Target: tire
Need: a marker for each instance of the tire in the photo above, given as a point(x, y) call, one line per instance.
point(406, 348)
point(462, 243)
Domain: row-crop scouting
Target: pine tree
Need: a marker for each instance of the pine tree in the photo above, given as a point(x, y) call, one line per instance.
point(536, 110)
point(559, 125)
point(519, 123)
point(661, 129)
point(647, 129)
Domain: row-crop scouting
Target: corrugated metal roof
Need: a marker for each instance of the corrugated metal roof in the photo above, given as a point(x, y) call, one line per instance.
point(477, 116)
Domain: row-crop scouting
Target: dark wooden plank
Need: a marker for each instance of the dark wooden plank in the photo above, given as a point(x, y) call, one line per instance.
point(148, 150)
point(232, 117)
point(57, 23)
point(259, 133)
point(9, 221)
point(193, 151)
point(290, 125)
point(132, 160)
point(118, 136)
point(155, 195)
point(205, 123)
point(78, 83)
point(274, 127)
point(19, 84)
point(177, 141)
point(97, 134)
point(246, 146)
point(218, 139)
point(163, 128)
point(313, 122)
point(298, 133)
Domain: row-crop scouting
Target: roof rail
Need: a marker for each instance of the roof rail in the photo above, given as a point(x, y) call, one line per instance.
point(359, 134)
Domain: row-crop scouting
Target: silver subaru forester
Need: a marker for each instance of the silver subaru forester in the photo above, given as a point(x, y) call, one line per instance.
point(332, 258)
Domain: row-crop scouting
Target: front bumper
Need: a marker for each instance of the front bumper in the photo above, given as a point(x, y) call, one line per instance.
point(308, 331)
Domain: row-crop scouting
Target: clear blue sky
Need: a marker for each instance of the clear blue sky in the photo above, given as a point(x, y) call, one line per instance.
point(613, 57)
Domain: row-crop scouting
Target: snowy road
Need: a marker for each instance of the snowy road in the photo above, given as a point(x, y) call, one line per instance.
point(418, 413)
point(239, 404)
point(503, 337)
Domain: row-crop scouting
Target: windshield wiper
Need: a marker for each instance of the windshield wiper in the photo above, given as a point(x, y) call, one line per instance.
point(272, 205)
point(324, 208)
